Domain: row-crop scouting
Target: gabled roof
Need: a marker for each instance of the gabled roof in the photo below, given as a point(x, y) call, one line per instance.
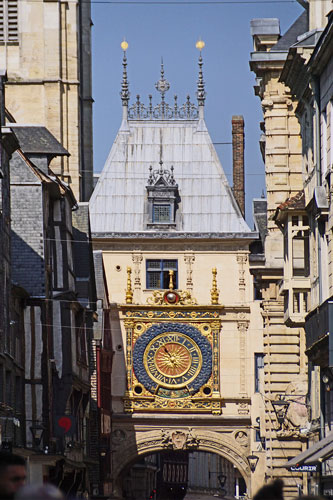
point(207, 205)
point(53, 181)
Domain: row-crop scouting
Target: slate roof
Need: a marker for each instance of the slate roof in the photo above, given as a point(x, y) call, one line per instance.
point(101, 285)
point(118, 203)
point(300, 26)
point(260, 216)
point(35, 139)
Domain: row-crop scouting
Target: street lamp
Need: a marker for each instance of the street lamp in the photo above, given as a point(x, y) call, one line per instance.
point(37, 431)
point(280, 408)
point(253, 460)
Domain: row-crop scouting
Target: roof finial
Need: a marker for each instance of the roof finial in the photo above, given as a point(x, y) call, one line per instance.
point(162, 86)
point(201, 94)
point(124, 85)
point(171, 273)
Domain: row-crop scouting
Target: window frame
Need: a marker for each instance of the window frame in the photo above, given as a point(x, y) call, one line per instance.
point(161, 270)
point(258, 356)
point(159, 221)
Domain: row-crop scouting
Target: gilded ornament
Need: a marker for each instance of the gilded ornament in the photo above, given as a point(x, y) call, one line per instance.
point(129, 291)
point(205, 328)
point(139, 328)
point(156, 299)
point(171, 297)
point(214, 291)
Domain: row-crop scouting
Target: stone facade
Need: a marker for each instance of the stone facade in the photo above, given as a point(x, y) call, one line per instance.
point(49, 70)
point(308, 73)
point(285, 362)
point(291, 276)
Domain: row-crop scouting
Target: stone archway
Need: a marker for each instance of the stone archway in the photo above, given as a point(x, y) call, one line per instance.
point(144, 442)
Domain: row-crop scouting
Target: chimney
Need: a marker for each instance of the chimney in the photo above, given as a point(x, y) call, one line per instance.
point(238, 161)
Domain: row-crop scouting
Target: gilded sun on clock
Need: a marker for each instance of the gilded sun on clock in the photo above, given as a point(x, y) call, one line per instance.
point(173, 359)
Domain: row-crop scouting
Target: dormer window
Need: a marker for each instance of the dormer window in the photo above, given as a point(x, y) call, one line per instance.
point(163, 199)
point(161, 213)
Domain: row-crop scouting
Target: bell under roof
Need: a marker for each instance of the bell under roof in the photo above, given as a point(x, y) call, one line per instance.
point(178, 137)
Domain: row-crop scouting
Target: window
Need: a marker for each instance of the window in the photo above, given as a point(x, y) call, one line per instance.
point(161, 213)
point(162, 199)
point(81, 341)
point(8, 20)
point(258, 371)
point(158, 273)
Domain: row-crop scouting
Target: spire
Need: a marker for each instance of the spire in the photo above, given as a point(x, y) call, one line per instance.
point(162, 86)
point(201, 94)
point(124, 85)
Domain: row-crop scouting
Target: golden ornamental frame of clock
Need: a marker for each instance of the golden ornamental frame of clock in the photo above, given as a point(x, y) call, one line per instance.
point(172, 358)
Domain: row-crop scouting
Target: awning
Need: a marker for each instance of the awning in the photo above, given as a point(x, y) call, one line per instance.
point(321, 455)
point(318, 452)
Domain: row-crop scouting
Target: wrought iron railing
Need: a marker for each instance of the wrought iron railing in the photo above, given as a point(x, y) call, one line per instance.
point(163, 110)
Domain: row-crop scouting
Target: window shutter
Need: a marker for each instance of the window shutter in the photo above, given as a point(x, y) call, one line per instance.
point(8, 20)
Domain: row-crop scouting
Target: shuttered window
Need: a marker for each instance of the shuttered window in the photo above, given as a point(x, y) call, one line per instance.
point(8, 21)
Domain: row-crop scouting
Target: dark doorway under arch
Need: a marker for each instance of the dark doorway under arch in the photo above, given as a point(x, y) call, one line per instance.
point(182, 475)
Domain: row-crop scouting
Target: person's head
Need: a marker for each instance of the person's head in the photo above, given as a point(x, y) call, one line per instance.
point(272, 491)
point(12, 474)
point(39, 492)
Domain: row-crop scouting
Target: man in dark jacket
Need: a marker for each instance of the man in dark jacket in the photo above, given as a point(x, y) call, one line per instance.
point(13, 474)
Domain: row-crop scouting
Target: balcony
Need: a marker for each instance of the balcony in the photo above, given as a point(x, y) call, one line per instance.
point(318, 329)
point(296, 293)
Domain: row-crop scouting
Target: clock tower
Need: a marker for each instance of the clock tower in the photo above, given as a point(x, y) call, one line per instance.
point(186, 328)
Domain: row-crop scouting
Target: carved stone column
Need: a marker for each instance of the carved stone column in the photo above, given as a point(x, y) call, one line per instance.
point(242, 260)
point(189, 259)
point(137, 259)
point(242, 325)
point(129, 324)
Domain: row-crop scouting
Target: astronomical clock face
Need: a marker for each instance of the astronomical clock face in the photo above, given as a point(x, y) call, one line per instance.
point(172, 360)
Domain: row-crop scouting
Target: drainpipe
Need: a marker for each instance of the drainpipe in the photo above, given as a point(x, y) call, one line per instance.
point(316, 86)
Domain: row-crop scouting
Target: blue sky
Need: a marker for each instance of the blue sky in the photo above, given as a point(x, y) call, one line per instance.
point(171, 31)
